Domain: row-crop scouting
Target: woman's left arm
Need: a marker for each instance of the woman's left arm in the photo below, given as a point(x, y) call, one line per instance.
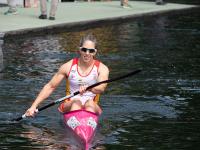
point(103, 75)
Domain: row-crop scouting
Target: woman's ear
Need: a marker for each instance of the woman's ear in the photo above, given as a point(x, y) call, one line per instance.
point(95, 53)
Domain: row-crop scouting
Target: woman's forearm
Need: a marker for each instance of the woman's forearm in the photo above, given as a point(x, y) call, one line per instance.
point(44, 94)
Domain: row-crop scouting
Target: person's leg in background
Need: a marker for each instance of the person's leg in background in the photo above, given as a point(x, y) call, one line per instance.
point(12, 7)
point(54, 5)
point(43, 9)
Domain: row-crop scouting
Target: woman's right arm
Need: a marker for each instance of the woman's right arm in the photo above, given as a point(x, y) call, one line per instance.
point(48, 89)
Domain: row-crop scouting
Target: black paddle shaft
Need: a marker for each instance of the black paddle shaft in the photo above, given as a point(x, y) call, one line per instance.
point(76, 93)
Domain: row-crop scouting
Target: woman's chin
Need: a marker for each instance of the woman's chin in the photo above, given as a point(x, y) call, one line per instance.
point(87, 59)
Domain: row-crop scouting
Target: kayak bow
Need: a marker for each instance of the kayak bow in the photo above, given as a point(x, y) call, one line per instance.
point(83, 124)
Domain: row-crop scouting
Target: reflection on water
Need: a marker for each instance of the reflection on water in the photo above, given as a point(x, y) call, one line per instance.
point(159, 105)
point(44, 138)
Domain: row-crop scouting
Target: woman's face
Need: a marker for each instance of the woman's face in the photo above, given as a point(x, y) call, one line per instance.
point(88, 51)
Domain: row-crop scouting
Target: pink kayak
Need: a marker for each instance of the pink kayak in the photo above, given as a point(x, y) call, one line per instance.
point(83, 124)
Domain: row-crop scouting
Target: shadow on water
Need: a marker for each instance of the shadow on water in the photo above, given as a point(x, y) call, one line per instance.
point(159, 105)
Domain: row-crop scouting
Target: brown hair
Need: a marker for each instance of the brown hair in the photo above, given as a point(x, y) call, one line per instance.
point(88, 37)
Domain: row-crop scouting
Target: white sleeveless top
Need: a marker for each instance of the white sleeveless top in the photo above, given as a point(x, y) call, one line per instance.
point(75, 79)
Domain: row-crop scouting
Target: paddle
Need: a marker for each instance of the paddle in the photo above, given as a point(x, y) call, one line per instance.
point(76, 93)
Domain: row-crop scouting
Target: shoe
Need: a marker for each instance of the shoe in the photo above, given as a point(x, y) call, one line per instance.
point(42, 17)
point(9, 12)
point(127, 6)
point(51, 18)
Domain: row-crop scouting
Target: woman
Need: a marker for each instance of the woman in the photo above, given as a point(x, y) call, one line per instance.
point(80, 73)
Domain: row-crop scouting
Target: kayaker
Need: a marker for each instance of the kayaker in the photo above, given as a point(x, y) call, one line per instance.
point(80, 73)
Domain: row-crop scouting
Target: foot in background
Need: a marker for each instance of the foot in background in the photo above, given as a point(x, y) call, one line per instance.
point(51, 18)
point(9, 12)
point(124, 4)
point(160, 2)
point(127, 6)
point(42, 17)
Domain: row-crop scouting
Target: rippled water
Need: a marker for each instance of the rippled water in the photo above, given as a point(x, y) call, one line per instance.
point(156, 109)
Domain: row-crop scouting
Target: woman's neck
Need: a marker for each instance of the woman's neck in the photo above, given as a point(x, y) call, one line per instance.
point(85, 67)
point(83, 64)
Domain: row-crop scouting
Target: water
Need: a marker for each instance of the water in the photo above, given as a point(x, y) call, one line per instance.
point(156, 109)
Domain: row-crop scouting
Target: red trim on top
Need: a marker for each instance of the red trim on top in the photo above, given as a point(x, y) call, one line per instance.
point(89, 71)
point(74, 61)
point(97, 64)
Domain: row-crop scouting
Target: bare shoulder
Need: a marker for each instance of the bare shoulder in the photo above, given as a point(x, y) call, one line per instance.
point(103, 69)
point(65, 68)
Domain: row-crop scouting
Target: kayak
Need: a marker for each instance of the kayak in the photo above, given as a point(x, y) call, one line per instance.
point(83, 125)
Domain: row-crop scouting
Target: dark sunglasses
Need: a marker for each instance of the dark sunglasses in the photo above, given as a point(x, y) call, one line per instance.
point(91, 50)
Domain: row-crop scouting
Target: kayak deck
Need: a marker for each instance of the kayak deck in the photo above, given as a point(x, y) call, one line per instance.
point(83, 125)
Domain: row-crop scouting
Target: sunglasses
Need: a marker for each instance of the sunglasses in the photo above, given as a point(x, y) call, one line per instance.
point(91, 50)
